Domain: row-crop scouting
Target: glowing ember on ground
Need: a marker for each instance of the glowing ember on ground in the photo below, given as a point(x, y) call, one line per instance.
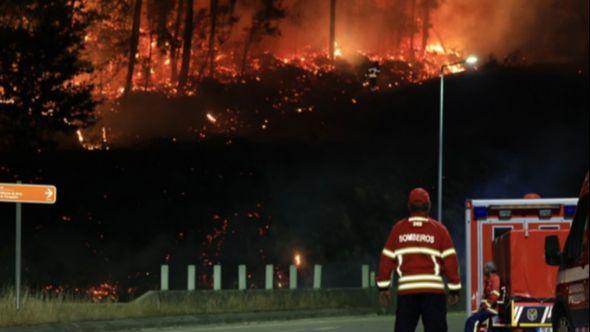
point(211, 118)
point(103, 292)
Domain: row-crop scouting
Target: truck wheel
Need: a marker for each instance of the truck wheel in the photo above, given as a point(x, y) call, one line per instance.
point(561, 322)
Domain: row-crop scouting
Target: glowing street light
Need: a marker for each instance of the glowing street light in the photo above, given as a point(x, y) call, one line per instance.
point(470, 61)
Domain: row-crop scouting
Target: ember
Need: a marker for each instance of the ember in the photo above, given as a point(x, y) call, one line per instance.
point(103, 292)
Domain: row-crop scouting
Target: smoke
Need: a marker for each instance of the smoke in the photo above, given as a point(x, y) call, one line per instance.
point(541, 30)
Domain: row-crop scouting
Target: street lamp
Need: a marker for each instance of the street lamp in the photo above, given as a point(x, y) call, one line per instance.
point(470, 60)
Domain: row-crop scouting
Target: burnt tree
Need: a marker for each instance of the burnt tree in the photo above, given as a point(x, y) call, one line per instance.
point(133, 44)
point(332, 46)
point(187, 44)
point(427, 7)
point(264, 22)
point(212, 31)
point(175, 43)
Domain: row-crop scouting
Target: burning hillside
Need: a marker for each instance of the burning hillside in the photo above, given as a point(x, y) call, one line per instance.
point(286, 53)
point(294, 56)
point(206, 62)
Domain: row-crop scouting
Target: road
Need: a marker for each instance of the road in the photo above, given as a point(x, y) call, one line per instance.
point(336, 324)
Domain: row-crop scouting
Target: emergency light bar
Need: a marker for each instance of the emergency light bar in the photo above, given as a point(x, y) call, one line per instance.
point(507, 209)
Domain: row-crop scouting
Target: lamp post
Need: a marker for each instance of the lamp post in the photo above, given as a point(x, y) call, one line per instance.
point(470, 60)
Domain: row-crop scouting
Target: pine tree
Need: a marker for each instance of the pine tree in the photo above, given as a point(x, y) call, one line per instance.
point(40, 57)
point(264, 23)
point(187, 45)
point(133, 44)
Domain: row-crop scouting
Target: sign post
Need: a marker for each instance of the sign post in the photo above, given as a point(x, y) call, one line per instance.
point(17, 252)
point(24, 193)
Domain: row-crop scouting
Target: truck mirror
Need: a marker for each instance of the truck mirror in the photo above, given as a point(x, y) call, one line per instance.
point(552, 253)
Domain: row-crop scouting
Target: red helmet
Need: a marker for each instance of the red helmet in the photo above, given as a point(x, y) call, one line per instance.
point(532, 196)
point(419, 196)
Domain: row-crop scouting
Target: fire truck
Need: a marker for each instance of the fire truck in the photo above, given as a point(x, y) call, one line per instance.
point(570, 312)
point(511, 233)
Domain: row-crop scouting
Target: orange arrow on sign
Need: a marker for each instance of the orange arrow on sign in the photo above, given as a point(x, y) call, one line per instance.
point(28, 193)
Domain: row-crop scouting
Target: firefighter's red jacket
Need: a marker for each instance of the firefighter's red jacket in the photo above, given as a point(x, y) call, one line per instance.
point(421, 252)
point(491, 292)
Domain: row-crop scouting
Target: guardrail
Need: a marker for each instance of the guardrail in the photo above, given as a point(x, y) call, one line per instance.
point(366, 280)
point(361, 299)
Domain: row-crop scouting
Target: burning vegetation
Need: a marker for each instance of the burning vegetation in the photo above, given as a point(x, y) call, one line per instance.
point(280, 51)
point(229, 50)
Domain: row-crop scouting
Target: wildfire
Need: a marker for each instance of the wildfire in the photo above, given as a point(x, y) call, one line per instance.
point(103, 292)
point(288, 79)
point(101, 143)
point(435, 48)
point(337, 50)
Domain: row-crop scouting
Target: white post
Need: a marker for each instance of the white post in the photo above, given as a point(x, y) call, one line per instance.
point(317, 276)
point(269, 277)
point(242, 277)
point(365, 276)
point(217, 277)
point(292, 277)
point(372, 279)
point(164, 277)
point(191, 277)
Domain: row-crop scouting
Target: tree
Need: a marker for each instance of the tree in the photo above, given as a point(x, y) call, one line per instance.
point(412, 28)
point(40, 61)
point(211, 57)
point(161, 12)
point(222, 20)
point(133, 44)
point(186, 47)
point(264, 22)
point(175, 43)
point(332, 46)
point(426, 6)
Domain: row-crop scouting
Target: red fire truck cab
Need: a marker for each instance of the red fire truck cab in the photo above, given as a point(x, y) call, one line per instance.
point(570, 313)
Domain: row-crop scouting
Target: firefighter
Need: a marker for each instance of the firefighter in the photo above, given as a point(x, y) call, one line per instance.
point(421, 252)
point(491, 293)
point(372, 74)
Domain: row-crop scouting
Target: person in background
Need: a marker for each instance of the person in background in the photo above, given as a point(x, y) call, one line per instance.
point(372, 74)
point(491, 293)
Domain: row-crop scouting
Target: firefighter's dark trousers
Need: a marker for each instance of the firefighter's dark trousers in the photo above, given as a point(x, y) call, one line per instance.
point(431, 307)
point(477, 318)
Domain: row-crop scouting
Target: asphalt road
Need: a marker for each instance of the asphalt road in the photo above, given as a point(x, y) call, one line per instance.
point(337, 324)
